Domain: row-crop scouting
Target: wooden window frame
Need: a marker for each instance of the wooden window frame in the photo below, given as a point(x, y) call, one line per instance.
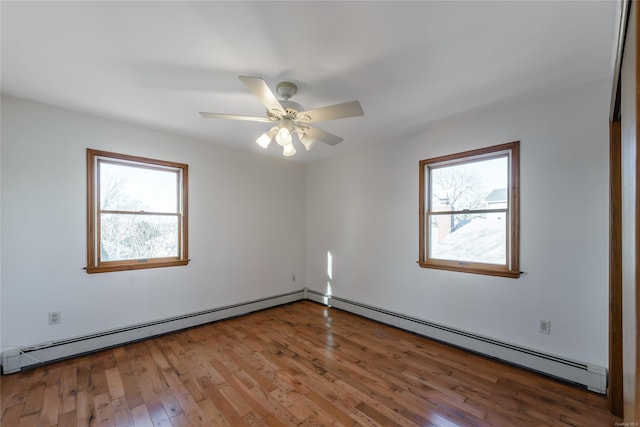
point(511, 268)
point(94, 263)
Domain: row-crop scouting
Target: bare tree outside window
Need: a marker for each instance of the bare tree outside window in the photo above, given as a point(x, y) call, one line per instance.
point(455, 189)
point(131, 227)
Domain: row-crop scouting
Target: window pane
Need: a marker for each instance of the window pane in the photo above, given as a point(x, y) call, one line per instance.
point(127, 237)
point(473, 185)
point(131, 188)
point(479, 239)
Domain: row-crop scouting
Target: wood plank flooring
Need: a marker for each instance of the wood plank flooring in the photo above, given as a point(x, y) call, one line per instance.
point(297, 364)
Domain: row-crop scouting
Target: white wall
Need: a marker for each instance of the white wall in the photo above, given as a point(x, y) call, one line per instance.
point(246, 223)
point(363, 208)
point(249, 227)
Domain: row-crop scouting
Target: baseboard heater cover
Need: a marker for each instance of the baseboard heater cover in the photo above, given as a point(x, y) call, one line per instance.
point(593, 377)
point(27, 357)
point(590, 376)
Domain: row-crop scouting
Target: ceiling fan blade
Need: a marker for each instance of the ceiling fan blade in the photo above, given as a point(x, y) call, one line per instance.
point(332, 112)
point(261, 90)
point(235, 117)
point(321, 135)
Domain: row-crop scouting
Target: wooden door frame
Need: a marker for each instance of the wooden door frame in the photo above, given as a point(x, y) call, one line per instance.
point(618, 403)
point(616, 369)
point(615, 387)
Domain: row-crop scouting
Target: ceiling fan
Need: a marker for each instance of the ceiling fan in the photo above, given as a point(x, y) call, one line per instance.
point(289, 117)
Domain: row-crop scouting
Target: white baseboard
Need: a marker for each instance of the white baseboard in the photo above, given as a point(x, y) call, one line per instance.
point(18, 359)
point(590, 376)
point(593, 377)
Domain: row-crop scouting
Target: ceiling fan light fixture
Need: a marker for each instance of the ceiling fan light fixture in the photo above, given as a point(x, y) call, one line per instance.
point(288, 150)
point(308, 142)
point(283, 137)
point(263, 140)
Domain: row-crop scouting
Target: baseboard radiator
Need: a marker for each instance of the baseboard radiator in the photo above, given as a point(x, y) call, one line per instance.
point(27, 357)
point(587, 375)
point(590, 376)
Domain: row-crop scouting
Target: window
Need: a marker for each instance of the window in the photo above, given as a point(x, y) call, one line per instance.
point(469, 211)
point(136, 212)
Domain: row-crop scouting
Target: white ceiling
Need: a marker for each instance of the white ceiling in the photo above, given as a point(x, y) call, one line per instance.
point(408, 63)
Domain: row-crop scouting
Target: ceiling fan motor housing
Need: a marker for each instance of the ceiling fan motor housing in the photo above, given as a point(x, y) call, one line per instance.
point(291, 110)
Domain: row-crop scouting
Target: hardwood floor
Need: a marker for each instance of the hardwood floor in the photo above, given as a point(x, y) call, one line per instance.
point(297, 364)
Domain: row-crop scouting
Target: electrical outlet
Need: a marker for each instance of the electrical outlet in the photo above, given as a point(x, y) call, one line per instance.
point(544, 326)
point(54, 318)
point(293, 277)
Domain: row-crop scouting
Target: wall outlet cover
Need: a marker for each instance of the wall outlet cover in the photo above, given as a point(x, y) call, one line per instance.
point(54, 318)
point(544, 326)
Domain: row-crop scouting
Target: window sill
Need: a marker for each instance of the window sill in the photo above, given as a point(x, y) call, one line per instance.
point(474, 269)
point(106, 268)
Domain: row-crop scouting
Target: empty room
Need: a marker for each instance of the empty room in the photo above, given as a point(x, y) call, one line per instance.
point(337, 213)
